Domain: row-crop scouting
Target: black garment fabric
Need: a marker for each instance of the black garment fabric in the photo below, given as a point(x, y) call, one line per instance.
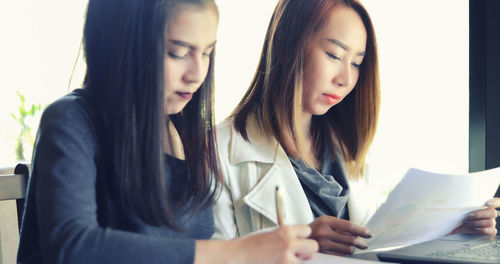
point(64, 209)
point(326, 190)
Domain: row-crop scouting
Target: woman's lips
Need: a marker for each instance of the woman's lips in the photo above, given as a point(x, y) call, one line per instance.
point(331, 98)
point(185, 95)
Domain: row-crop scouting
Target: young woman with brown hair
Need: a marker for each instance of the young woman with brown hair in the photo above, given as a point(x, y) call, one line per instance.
point(305, 124)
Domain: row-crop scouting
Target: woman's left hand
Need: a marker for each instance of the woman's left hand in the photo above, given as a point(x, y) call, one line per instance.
point(481, 221)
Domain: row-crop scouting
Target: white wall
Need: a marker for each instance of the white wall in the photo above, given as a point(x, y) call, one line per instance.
point(424, 58)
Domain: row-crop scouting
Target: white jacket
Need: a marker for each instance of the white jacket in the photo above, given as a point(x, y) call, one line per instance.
point(252, 170)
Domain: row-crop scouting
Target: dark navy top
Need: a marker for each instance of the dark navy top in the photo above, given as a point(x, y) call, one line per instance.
point(61, 219)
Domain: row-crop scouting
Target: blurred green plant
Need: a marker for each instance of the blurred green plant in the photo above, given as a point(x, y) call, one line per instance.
point(21, 116)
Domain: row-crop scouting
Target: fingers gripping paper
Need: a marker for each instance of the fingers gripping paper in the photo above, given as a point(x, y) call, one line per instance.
point(426, 205)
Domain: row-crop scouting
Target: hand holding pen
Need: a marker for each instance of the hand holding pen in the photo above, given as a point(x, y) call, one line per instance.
point(286, 244)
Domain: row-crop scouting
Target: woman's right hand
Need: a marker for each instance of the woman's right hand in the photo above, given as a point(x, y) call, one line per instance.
point(338, 236)
point(286, 244)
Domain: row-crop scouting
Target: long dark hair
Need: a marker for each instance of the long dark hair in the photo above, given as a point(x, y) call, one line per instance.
point(275, 94)
point(124, 44)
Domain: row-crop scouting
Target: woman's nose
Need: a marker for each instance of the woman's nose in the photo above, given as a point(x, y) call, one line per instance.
point(344, 76)
point(195, 71)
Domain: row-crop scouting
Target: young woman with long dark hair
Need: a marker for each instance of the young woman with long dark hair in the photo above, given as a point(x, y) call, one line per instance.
point(125, 169)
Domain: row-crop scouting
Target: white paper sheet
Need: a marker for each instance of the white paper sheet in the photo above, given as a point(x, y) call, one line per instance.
point(426, 205)
point(320, 258)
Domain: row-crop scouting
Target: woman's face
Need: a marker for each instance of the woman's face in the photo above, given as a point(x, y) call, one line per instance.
point(332, 61)
point(190, 40)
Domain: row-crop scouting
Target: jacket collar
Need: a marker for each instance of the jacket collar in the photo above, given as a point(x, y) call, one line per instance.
point(259, 147)
point(265, 149)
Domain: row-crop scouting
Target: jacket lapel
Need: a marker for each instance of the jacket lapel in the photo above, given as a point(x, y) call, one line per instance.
point(261, 198)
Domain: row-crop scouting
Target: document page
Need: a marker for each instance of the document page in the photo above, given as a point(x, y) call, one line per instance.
point(426, 205)
point(320, 258)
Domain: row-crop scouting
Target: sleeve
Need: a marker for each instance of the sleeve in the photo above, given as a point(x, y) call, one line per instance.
point(224, 219)
point(65, 167)
point(224, 214)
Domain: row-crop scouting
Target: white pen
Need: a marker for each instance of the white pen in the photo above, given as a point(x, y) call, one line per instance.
point(279, 206)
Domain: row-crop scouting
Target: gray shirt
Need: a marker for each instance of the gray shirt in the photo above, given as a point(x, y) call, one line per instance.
point(326, 190)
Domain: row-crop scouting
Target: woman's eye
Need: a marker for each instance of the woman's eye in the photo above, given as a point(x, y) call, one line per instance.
point(333, 56)
point(208, 53)
point(356, 65)
point(175, 56)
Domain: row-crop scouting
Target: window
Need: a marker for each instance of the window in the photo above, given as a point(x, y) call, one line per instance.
point(424, 70)
point(40, 43)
